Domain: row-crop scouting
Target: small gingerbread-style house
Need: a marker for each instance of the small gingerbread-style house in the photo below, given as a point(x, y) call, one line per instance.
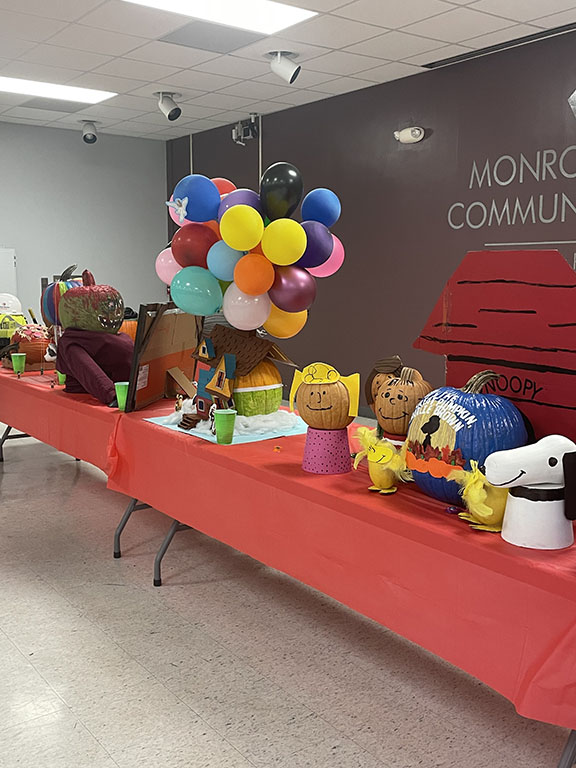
point(515, 313)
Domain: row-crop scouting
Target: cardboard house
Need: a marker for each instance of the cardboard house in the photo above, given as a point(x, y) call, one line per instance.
point(515, 313)
point(224, 355)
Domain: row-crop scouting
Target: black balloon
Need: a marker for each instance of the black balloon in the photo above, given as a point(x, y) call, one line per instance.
point(280, 190)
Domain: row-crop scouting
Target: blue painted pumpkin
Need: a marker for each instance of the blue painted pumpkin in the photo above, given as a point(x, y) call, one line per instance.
point(53, 293)
point(450, 427)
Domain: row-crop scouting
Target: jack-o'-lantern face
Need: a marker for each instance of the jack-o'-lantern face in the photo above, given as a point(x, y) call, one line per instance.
point(324, 406)
point(396, 399)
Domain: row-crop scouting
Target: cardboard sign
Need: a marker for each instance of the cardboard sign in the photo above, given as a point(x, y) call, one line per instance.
point(515, 313)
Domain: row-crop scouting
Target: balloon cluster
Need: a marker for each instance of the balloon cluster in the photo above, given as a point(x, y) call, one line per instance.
point(240, 252)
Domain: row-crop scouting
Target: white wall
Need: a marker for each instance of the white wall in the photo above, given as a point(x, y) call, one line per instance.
point(99, 206)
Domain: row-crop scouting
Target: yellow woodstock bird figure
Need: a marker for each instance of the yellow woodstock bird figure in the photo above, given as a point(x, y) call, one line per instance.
point(386, 463)
point(484, 502)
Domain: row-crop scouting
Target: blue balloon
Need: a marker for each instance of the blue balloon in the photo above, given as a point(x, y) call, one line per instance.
point(222, 259)
point(203, 197)
point(321, 205)
point(196, 291)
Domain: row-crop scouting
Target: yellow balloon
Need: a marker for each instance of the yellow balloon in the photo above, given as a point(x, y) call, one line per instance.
point(241, 227)
point(284, 325)
point(284, 241)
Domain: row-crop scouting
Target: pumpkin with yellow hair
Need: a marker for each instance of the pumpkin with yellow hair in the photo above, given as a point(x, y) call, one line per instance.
point(386, 462)
point(484, 502)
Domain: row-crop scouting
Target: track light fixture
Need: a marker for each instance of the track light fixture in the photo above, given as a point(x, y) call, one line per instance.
point(283, 66)
point(167, 105)
point(89, 132)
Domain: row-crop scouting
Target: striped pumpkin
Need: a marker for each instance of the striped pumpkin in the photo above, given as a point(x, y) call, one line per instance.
point(54, 292)
point(260, 391)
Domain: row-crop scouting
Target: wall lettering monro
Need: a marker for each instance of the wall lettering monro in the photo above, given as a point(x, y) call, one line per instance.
point(546, 166)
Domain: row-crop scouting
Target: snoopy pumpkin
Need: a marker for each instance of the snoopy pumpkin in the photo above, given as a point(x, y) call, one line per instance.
point(327, 402)
point(396, 398)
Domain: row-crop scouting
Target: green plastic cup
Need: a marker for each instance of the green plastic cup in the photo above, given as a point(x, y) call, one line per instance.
point(18, 362)
point(122, 393)
point(61, 378)
point(224, 419)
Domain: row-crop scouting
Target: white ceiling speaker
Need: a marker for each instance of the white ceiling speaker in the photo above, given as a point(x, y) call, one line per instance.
point(409, 135)
point(167, 105)
point(283, 66)
point(89, 132)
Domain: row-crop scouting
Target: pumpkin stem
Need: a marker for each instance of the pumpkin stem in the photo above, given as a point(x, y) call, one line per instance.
point(407, 375)
point(475, 385)
point(68, 272)
point(88, 279)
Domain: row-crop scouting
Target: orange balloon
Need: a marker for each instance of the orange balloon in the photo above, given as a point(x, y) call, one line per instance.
point(224, 186)
point(254, 274)
point(214, 227)
point(284, 325)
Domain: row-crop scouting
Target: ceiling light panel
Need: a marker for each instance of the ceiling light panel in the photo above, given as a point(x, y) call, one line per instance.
point(264, 16)
point(53, 90)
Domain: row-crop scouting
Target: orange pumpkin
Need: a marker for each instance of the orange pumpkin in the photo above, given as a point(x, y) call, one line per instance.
point(396, 398)
point(324, 406)
point(260, 391)
point(385, 369)
point(33, 340)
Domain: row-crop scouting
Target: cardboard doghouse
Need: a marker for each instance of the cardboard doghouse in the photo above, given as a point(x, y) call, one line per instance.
point(513, 312)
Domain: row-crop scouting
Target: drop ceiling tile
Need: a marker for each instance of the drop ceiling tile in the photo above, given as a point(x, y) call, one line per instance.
point(317, 5)
point(295, 98)
point(342, 63)
point(75, 121)
point(267, 107)
point(148, 91)
point(158, 119)
point(458, 25)
point(502, 36)
point(64, 10)
point(138, 70)
point(204, 125)
point(158, 52)
point(58, 56)
point(134, 103)
point(392, 15)
point(12, 99)
point(306, 79)
point(394, 46)
point(35, 114)
point(386, 72)
point(235, 67)
point(26, 27)
point(103, 111)
point(233, 116)
point(222, 101)
point(201, 81)
point(140, 128)
point(138, 20)
point(557, 20)
point(11, 48)
point(256, 91)
point(106, 82)
point(42, 72)
point(197, 111)
point(524, 10)
point(96, 40)
point(462, 2)
point(20, 120)
point(262, 47)
point(212, 37)
point(446, 52)
point(343, 85)
point(330, 31)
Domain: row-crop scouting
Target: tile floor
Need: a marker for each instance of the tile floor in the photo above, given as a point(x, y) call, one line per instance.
point(229, 665)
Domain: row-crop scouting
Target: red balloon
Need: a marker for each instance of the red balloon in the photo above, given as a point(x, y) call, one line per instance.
point(190, 245)
point(224, 186)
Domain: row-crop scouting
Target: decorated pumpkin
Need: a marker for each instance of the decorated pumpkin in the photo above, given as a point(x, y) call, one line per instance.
point(33, 340)
point(54, 292)
point(92, 307)
point(395, 399)
point(452, 427)
point(324, 398)
point(383, 370)
point(260, 391)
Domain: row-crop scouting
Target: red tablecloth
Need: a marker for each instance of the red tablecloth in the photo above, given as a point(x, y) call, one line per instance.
point(503, 614)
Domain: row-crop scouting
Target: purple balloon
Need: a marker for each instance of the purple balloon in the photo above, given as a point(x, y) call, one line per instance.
point(293, 290)
point(319, 244)
point(240, 197)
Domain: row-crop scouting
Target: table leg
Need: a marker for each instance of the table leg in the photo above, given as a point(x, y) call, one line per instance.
point(7, 436)
point(174, 528)
point(568, 759)
point(134, 505)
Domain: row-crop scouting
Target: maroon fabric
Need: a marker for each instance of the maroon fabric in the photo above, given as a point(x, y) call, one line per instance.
point(93, 361)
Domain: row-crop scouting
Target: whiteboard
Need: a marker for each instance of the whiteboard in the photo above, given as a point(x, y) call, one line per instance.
point(8, 282)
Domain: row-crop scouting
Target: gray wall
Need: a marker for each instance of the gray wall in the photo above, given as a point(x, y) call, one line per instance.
point(102, 207)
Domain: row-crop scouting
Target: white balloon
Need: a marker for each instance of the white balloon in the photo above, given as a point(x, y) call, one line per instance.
point(9, 304)
point(245, 312)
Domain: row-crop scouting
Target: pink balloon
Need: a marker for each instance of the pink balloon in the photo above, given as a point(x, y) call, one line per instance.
point(174, 216)
point(244, 312)
point(166, 266)
point(334, 262)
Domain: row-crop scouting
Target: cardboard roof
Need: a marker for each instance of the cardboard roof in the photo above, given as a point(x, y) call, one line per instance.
point(249, 349)
point(507, 306)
